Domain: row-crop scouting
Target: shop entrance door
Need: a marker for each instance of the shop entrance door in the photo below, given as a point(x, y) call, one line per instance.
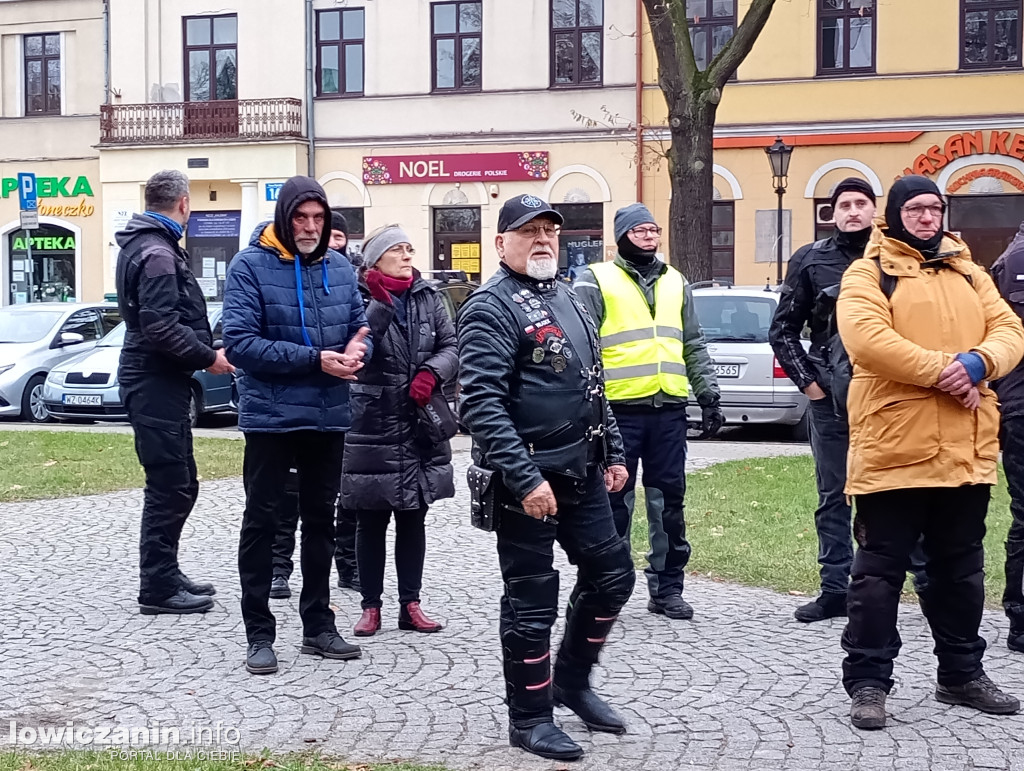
point(986, 222)
point(456, 241)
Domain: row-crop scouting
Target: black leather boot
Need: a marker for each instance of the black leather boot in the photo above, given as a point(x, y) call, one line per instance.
point(585, 635)
point(546, 740)
point(528, 688)
point(179, 603)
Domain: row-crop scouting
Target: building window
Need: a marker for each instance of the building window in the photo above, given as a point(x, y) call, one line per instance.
point(211, 58)
point(712, 24)
point(723, 240)
point(846, 37)
point(990, 36)
point(581, 239)
point(455, 34)
point(42, 74)
point(340, 39)
point(577, 42)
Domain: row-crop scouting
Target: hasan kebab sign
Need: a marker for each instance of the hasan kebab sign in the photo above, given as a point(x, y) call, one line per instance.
point(965, 144)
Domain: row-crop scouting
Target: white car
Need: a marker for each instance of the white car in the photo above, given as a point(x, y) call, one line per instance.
point(34, 338)
point(755, 390)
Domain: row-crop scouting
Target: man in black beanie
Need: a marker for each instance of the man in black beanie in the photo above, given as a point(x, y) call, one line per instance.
point(812, 269)
point(339, 239)
point(654, 356)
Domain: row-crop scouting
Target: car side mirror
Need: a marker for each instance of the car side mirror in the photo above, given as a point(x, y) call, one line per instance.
point(70, 338)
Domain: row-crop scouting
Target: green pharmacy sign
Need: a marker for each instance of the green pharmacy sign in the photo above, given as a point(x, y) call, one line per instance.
point(49, 187)
point(44, 243)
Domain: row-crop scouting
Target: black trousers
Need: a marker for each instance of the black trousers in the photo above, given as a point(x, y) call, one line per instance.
point(658, 438)
point(1013, 465)
point(284, 541)
point(157, 408)
point(371, 553)
point(316, 456)
point(529, 605)
point(887, 526)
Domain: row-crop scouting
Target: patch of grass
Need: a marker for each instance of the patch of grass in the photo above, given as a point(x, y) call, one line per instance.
point(60, 464)
point(752, 522)
point(176, 760)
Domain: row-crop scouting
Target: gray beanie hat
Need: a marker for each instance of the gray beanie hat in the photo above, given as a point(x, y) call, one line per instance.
point(630, 217)
point(375, 247)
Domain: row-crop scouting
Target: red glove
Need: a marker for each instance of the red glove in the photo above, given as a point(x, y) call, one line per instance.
point(375, 282)
point(422, 387)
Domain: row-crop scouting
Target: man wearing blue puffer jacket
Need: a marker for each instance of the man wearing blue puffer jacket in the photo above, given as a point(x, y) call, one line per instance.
point(294, 324)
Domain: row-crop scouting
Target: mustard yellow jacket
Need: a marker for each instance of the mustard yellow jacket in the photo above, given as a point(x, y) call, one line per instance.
point(904, 432)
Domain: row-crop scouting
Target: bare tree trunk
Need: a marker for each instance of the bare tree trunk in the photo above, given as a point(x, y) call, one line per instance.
point(690, 165)
point(692, 97)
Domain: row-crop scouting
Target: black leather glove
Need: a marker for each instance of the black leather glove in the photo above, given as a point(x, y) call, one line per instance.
point(711, 420)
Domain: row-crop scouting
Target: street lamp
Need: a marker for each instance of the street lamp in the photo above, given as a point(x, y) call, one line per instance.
point(778, 157)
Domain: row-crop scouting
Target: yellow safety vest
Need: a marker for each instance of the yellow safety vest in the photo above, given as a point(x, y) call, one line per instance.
point(642, 354)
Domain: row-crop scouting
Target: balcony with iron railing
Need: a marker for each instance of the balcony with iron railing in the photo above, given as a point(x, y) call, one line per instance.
point(227, 120)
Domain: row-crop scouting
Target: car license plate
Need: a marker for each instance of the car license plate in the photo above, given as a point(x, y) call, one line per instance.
point(727, 370)
point(83, 400)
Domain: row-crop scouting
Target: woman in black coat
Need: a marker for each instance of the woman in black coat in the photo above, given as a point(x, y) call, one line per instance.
point(388, 468)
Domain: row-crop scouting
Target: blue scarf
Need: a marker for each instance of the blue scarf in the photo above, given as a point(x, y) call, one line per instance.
point(175, 229)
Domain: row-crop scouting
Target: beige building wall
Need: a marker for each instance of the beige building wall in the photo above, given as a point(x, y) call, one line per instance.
point(147, 62)
point(58, 149)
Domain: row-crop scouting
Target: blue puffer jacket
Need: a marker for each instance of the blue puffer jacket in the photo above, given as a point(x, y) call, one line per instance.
point(281, 386)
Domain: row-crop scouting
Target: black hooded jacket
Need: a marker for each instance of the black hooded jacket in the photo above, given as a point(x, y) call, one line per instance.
point(1008, 274)
point(161, 303)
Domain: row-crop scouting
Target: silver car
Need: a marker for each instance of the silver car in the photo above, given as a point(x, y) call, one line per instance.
point(754, 387)
point(86, 387)
point(34, 338)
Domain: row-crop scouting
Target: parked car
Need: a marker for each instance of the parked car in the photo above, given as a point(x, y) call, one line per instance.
point(755, 389)
point(86, 386)
point(34, 338)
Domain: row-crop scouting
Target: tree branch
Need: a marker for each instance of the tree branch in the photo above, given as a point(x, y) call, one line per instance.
point(736, 49)
point(671, 68)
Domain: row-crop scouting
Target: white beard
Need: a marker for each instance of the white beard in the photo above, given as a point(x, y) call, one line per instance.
point(542, 268)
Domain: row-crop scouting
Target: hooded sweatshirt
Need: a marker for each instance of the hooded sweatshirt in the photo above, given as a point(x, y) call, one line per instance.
point(280, 313)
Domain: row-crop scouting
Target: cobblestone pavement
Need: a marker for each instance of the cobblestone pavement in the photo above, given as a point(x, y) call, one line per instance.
point(742, 686)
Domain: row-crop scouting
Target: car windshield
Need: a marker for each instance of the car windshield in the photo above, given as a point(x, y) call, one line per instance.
point(734, 318)
point(114, 338)
point(18, 326)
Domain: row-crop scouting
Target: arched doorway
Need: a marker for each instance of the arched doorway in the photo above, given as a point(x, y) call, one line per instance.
point(41, 264)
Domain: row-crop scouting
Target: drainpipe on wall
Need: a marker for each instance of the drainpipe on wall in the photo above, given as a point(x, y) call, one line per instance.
point(310, 118)
point(106, 51)
point(639, 101)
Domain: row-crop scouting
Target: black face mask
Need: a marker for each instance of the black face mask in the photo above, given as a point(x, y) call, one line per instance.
point(852, 243)
point(633, 253)
point(902, 191)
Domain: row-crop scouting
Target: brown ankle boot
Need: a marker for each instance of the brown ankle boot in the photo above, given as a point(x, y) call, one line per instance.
point(412, 619)
point(368, 624)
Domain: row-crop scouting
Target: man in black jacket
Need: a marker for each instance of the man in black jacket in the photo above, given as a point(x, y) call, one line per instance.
point(812, 269)
point(1008, 273)
point(168, 337)
point(533, 401)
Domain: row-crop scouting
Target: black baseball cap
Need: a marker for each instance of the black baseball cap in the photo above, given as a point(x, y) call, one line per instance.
point(516, 212)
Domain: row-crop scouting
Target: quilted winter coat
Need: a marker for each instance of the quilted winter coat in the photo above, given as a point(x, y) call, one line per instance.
point(904, 432)
point(384, 466)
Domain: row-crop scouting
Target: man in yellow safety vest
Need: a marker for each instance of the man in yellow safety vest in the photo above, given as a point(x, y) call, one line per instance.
point(654, 351)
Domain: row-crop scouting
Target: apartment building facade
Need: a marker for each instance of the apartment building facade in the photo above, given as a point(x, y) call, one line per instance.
point(432, 112)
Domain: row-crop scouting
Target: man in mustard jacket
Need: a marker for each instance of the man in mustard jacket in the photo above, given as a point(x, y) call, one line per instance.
point(654, 351)
point(926, 330)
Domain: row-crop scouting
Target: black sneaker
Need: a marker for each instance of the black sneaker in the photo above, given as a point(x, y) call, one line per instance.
point(279, 589)
point(868, 709)
point(179, 603)
point(671, 607)
point(349, 582)
point(982, 694)
point(1015, 640)
point(330, 645)
point(828, 605)
point(204, 589)
point(261, 659)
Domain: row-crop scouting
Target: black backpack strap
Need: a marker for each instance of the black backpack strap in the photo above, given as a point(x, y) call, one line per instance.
point(885, 281)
